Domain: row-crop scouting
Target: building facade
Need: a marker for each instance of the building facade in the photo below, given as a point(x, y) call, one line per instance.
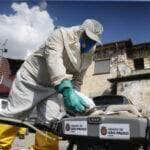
point(8, 69)
point(120, 68)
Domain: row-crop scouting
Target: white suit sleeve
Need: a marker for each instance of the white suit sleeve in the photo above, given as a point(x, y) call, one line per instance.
point(78, 80)
point(78, 77)
point(54, 47)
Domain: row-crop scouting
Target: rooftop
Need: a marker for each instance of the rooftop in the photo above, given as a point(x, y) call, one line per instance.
point(123, 44)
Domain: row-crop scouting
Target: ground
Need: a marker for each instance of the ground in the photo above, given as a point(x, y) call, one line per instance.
point(24, 144)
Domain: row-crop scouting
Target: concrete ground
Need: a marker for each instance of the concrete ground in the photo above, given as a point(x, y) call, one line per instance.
point(25, 144)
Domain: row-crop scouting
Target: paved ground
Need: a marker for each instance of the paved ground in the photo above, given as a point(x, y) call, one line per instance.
point(24, 144)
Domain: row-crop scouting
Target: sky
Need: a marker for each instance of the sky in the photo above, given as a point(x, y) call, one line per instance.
point(26, 24)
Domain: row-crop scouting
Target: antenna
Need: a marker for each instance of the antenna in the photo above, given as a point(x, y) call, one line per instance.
point(5, 42)
point(117, 48)
point(3, 48)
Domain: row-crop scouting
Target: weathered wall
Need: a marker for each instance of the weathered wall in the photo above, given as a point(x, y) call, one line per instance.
point(4, 71)
point(4, 67)
point(94, 85)
point(121, 65)
point(147, 62)
point(136, 91)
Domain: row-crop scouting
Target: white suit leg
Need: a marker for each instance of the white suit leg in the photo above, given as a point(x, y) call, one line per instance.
point(50, 109)
point(25, 94)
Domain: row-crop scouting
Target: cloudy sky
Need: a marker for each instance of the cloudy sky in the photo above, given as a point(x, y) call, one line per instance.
point(25, 28)
point(26, 24)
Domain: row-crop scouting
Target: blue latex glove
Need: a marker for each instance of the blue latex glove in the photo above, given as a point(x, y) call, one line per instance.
point(72, 101)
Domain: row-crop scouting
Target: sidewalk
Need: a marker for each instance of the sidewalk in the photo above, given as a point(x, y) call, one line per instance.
point(24, 144)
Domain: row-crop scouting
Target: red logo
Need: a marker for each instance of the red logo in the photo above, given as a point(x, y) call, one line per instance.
point(67, 127)
point(103, 130)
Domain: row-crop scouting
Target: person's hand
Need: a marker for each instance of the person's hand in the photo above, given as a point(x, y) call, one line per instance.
point(72, 100)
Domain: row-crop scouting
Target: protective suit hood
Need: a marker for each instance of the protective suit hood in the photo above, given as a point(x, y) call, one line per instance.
point(72, 45)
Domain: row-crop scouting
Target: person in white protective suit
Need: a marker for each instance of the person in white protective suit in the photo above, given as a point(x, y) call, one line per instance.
point(57, 67)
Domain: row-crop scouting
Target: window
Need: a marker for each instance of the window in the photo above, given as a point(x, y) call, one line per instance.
point(102, 66)
point(139, 63)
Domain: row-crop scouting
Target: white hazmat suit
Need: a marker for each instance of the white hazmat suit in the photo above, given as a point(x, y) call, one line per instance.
point(59, 58)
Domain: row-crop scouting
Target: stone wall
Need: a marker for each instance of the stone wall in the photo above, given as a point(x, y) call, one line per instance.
point(147, 62)
point(94, 85)
point(137, 91)
point(121, 65)
point(97, 84)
